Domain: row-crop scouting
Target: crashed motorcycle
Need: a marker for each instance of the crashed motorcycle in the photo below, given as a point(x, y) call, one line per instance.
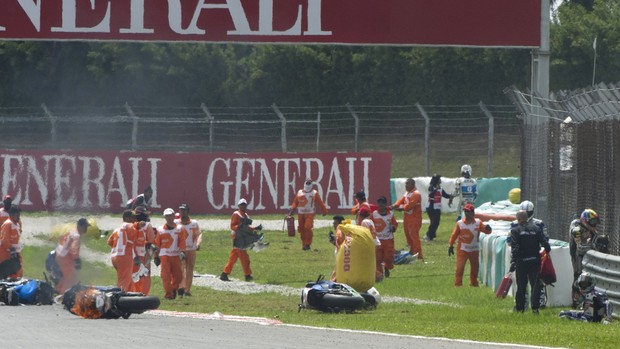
point(334, 297)
point(106, 302)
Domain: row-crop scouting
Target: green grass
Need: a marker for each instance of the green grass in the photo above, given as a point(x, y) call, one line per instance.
point(469, 313)
point(506, 163)
point(91, 273)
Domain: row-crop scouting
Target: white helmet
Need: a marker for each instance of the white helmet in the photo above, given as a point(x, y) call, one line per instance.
point(373, 293)
point(528, 207)
point(466, 171)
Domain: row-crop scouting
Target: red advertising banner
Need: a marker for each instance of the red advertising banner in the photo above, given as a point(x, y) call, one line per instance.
point(479, 23)
point(103, 181)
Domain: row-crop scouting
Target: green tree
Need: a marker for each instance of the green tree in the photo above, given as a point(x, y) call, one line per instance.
point(572, 36)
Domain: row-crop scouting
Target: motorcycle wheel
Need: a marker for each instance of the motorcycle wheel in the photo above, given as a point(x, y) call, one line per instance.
point(137, 304)
point(337, 301)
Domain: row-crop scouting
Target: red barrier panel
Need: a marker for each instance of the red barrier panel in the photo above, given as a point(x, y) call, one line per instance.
point(504, 23)
point(103, 181)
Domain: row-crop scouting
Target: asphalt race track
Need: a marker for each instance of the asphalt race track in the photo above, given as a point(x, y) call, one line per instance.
point(54, 327)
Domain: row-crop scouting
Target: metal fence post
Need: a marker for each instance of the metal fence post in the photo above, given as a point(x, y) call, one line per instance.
point(210, 119)
point(491, 137)
point(283, 123)
point(427, 140)
point(357, 125)
point(318, 130)
point(134, 130)
point(52, 122)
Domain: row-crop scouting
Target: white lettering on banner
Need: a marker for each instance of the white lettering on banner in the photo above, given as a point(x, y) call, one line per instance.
point(334, 175)
point(100, 181)
point(265, 177)
point(96, 182)
point(135, 170)
point(62, 180)
point(319, 173)
point(153, 162)
point(265, 21)
point(21, 171)
point(314, 19)
point(117, 177)
point(243, 182)
point(41, 180)
point(9, 179)
point(240, 18)
point(33, 11)
point(226, 184)
point(289, 183)
point(270, 183)
point(136, 20)
point(138, 11)
point(69, 19)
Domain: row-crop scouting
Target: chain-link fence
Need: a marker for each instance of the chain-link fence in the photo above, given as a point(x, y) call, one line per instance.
point(423, 139)
point(570, 159)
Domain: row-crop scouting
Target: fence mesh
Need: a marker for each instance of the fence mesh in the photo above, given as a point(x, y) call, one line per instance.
point(423, 139)
point(570, 159)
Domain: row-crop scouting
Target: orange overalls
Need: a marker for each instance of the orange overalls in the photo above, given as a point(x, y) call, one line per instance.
point(468, 248)
point(9, 238)
point(411, 203)
point(194, 239)
point(67, 251)
point(356, 208)
point(144, 235)
point(385, 226)
point(122, 243)
point(306, 204)
point(242, 255)
point(171, 242)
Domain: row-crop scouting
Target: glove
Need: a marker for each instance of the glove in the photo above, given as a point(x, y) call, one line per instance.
point(487, 227)
point(157, 261)
point(450, 251)
point(332, 237)
point(182, 255)
point(260, 227)
point(14, 253)
point(513, 267)
point(136, 260)
point(78, 264)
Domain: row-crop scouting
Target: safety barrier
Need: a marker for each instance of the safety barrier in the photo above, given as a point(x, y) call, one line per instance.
point(489, 189)
point(605, 268)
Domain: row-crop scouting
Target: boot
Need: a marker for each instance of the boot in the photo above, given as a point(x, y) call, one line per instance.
point(224, 277)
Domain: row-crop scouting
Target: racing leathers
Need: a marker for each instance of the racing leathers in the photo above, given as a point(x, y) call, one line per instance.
point(582, 240)
point(596, 307)
point(466, 189)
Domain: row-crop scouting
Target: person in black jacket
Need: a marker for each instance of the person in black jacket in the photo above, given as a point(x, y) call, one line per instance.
point(526, 240)
point(433, 206)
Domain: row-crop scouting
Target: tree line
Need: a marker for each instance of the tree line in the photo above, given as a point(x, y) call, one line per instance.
point(181, 74)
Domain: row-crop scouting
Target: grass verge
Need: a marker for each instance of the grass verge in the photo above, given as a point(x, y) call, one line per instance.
point(468, 313)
